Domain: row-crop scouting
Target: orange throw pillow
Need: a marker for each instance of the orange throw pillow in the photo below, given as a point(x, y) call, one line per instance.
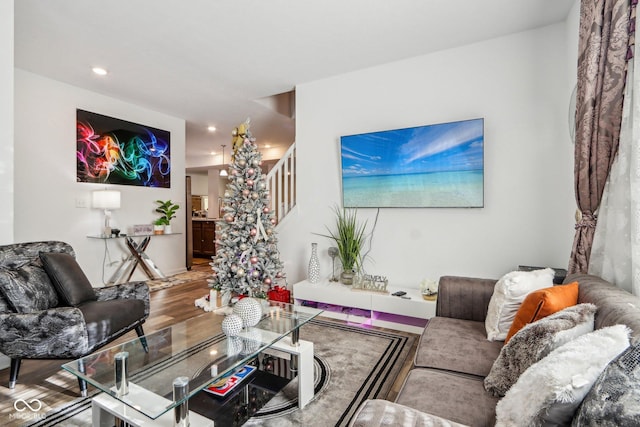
point(542, 303)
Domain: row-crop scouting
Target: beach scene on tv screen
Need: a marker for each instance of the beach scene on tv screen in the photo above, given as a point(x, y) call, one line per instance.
point(440, 165)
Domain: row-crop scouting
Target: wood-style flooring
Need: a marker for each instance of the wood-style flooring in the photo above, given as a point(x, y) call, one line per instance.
point(168, 306)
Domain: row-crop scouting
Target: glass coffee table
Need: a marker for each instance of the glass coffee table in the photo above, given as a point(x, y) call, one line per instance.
point(142, 387)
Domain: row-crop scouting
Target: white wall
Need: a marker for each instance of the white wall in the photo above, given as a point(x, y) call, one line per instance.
point(519, 85)
point(6, 130)
point(199, 184)
point(46, 191)
point(6, 121)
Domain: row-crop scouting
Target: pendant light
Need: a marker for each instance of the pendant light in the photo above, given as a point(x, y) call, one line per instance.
point(223, 171)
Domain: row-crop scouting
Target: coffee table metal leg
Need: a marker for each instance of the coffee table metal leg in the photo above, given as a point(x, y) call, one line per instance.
point(181, 412)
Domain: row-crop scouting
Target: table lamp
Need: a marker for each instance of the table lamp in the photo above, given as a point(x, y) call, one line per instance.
point(106, 199)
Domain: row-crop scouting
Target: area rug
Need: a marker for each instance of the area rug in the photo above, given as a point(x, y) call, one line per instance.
point(352, 364)
point(177, 279)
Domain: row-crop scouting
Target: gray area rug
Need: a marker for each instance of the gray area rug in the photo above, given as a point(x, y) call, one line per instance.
point(352, 364)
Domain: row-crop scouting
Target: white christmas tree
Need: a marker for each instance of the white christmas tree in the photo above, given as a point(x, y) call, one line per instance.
point(247, 261)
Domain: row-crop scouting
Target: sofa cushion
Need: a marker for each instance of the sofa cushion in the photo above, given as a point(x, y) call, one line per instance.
point(68, 278)
point(448, 395)
point(107, 319)
point(615, 305)
point(614, 400)
point(456, 345)
point(508, 294)
point(535, 341)
point(543, 302)
point(28, 288)
point(549, 392)
point(382, 413)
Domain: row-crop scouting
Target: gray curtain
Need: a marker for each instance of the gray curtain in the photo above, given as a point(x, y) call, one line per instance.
point(604, 36)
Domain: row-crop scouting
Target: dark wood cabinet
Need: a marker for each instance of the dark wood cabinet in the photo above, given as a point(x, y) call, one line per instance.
point(204, 238)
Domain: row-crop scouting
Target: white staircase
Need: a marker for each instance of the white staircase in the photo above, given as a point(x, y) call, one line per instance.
point(281, 183)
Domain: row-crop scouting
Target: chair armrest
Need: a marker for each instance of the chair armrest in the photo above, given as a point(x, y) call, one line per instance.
point(464, 298)
point(129, 290)
point(54, 333)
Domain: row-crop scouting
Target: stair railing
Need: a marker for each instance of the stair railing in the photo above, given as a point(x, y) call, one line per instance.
point(281, 182)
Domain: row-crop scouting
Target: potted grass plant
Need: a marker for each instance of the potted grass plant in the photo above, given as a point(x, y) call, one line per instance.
point(349, 236)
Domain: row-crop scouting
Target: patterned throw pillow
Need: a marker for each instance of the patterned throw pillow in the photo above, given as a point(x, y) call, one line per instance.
point(508, 294)
point(550, 391)
point(27, 289)
point(614, 400)
point(536, 340)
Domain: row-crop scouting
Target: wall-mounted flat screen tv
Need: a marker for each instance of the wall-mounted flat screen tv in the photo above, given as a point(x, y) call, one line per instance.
point(434, 166)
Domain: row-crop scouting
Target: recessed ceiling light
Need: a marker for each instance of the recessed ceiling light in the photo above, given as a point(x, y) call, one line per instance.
point(267, 146)
point(213, 153)
point(211, 128)
point(99, 71)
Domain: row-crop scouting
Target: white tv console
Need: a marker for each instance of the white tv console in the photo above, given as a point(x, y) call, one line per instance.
point(367, 308)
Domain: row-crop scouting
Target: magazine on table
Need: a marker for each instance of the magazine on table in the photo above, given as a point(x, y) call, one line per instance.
point(228, 383)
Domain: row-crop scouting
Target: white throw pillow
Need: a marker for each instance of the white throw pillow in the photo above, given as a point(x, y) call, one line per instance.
point(549, 392)
point(507, 297)
point(534, 342)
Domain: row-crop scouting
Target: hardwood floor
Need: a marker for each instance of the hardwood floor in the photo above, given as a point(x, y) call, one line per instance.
point(168, 306)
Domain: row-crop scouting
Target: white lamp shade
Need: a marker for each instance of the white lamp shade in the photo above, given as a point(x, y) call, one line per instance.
point(223, 172)
point(106, 199)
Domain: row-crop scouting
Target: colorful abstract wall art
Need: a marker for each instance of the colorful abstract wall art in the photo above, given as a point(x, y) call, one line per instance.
point(114, 151)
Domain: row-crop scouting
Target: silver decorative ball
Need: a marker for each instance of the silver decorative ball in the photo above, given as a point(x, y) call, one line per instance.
point(249, 310)
point(232, 325)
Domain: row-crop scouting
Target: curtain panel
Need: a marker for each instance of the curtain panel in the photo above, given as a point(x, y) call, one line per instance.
point(615, 255)
point(603, 44)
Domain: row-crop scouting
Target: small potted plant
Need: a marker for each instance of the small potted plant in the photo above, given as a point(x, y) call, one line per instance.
point(158, 226)
point(349, 237)
point(168, 210)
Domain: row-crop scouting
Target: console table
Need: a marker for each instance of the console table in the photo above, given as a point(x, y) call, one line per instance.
point(409, 314)
point(137, 256)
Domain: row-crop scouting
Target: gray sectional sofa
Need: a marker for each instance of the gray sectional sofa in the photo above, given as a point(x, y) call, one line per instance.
point(454, 355)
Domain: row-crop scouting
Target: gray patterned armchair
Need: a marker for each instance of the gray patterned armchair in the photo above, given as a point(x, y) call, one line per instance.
point(48, 309)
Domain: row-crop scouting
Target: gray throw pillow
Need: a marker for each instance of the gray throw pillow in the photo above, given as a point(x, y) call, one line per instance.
point(68, 278)
point(614, 400)
point(534, 341)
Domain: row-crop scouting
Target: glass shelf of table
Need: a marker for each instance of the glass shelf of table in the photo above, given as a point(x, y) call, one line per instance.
point(194, 348)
